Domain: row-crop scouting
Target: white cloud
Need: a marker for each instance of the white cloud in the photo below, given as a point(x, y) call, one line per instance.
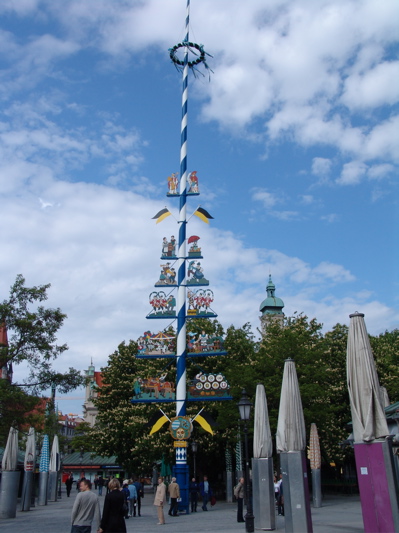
point(306, 57)
point(380, 171)
point(268, 199)
point(352, 173)
point(283, 71)
point(330, 218)
point(307, 199)
point(321, 166)
point(374, 88)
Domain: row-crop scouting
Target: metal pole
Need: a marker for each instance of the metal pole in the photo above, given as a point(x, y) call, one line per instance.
point(249, 517)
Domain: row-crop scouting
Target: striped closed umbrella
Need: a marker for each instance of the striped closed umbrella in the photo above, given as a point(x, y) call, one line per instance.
point(45, 455)
point(314, 448)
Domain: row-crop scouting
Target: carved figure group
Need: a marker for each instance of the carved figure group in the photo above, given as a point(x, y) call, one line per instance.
point(195, 272)
point(169, 247)
point(200, 300)
point(158, 387)
point(167, 276)
point(161, 304)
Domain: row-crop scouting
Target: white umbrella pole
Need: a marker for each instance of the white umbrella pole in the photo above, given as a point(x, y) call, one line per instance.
point(52, 487)
point(27, 487)
point(263, 493)
point(297, 513)
point(262, 465)
point(43, 482)
point(316, 487)
point(9, 493)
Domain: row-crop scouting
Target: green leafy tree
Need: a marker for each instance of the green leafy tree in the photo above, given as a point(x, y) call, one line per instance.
point(320, 362)
point(120, 425)
point(82, 439)
point(31, 329)
point(386, 353)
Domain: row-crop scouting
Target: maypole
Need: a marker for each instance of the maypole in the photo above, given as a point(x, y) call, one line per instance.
point(193, 300)
point(181, 276)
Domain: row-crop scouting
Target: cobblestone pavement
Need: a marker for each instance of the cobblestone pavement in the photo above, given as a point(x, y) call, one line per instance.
point(338, 514)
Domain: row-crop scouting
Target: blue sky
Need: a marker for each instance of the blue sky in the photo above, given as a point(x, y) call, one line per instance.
point(294, 138)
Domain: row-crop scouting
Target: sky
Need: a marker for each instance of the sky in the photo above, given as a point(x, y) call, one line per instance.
point(293, 132)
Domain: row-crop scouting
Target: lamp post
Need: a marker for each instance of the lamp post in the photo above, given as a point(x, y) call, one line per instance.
point(194, 449)
point(81, 461)
point(244, 406)
point(61, 456)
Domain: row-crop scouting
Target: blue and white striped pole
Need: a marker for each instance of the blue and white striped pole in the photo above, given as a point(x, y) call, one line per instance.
point(181, 468)
point(181, 275)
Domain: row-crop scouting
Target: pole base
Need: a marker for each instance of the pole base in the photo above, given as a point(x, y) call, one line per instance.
point(249, 523)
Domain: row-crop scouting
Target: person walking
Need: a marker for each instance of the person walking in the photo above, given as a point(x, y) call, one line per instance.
point(126, 493)
point(276, 489)
point(85, 510)
point(140, 494)
point(160, 500)
point(68, 485)
point(174, 493)
point(194, 489)
point(239, 494)
point(100, 485)
point(280, 496)
point(206, 493)
point(113, 512)
point(133, 498)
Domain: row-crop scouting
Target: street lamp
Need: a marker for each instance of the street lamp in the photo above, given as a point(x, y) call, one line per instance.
point(244, 406)
point(61, 456)
point(81, 455)
point(194, 449)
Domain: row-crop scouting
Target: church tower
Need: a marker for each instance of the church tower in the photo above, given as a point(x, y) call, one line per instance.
point(90, 411)
point(271, 308)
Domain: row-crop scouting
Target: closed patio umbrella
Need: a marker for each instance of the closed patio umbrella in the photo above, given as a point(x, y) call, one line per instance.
point(291, 444)
point(10, 456)
point(54, 466)
point(29, 465)
point(368, 416)
point(384, 397)
point(263, 445)
point(262, 465)
point(373, 453)
point(10, 477)
point(291, 431)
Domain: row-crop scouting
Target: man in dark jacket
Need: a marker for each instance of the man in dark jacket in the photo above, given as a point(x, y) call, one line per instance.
point(68, 484)
point(206, 493)
point(140, 494)
point(194, 489)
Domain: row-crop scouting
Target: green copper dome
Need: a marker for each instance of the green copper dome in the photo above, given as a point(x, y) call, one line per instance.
point(271, 305)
